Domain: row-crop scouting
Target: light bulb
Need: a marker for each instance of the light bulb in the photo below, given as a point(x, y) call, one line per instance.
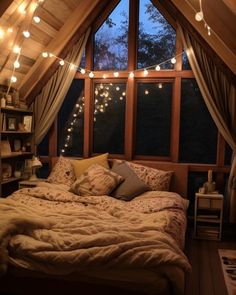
point(146, 92)
point(104, 76)
point(158, 68)
point(9, 30)
point(16, 49)
point(36, 19)
point(145, 72)
point(61, 62)
point(44, 54)
point(13, 79)
point(82, 71)
point(131, 74)
point(2, 33)
point(173, 60)
point(199, 16)
point(16, 64)
point(116, 74)
point(91, 75)
point(72, 66)
point(26, 34)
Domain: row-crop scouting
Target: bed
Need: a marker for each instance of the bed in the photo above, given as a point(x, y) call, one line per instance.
point(63, 239)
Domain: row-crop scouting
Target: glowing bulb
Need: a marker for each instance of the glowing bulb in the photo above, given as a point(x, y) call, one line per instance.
point(158, 68)
point(16, 49)
point(173, 60)
point(104, 76)
point(123, 93)
point(50, 55)
point(91, 75)
point(121, 97)
point(36, 19)
point(26, 34)
point(199, 16)
point(61, 62)
point(9, 30)
point(146, 92)
point(16, 64)
point(208, 31)
point(82, 71)
point(72, 66)
point(13, 79)
point(160, 85)
point(44, 54)
point(21, 9)
point(116, 74)
point(145, 72)
point(117, 88)
point(131, 74)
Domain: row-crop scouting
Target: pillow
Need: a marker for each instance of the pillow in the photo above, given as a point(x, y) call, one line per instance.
point(96, 181)
point(81, 165)
point(131, 187)
point(62, 172)
point(157, 180)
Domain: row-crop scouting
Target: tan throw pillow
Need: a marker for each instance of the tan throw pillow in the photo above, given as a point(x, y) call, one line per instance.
point(81, 165)
point(157, 180)
point(62, 172)
point(96, 181)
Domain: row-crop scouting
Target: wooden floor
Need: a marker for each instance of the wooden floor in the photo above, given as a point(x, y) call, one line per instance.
point(207, 276)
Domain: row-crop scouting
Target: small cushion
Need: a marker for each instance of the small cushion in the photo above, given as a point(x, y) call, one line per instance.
point(96, 181)
point(81, 165)
point(62, 172)
point(131, 187)
point(157, 180)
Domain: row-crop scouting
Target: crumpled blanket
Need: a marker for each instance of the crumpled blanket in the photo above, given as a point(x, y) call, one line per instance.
point(56, 232)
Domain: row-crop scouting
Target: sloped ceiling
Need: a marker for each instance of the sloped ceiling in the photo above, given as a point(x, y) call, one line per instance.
point(64, 21)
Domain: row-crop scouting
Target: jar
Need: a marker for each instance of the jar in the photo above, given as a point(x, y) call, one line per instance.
point(3, 102)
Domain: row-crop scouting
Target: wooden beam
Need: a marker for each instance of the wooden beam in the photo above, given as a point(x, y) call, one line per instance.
point(56, 46)
point(214, 41)
point(4, 5)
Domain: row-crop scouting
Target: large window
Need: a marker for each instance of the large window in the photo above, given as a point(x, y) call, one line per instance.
point(109, 118)
point(198, 133)
point(153, 124)
point(111, 40)
point(156, 38)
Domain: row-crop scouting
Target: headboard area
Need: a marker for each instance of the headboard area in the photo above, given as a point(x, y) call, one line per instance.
point(179, 180)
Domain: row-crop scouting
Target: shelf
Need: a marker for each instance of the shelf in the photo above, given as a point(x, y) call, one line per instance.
point(16, 154)
point(11, 179)
point(16, 132)
point(208, 219)
point(15, 110)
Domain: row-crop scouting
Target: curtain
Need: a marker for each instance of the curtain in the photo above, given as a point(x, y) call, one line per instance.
point(49, 101)
point(220, 98)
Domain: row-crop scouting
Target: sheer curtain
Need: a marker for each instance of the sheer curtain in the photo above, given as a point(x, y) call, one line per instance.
point(220, 98)
point(49, 101)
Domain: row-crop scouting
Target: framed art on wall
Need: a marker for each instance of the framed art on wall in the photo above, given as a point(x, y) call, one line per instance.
point(11, 123)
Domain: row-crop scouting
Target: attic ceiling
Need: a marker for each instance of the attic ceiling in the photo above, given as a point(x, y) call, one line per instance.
point(63, 21)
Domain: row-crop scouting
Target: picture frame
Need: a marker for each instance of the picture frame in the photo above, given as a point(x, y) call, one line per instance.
point(11, 123)
point(17, 145)
point(27, 121)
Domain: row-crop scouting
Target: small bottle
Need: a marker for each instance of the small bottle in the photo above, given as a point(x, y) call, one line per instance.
point(3, 102)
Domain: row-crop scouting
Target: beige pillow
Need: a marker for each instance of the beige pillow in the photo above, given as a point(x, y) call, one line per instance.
point(96, 181)
point(81, 165)
point(62, 172)
point(157, 180)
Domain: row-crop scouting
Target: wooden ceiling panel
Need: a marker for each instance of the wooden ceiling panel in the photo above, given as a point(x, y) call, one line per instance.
point(58, 8)
point(49, 18)
point(45, 28)
point(39, 36)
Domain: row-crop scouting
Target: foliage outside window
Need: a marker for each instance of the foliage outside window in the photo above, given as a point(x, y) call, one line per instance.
point(109, 118)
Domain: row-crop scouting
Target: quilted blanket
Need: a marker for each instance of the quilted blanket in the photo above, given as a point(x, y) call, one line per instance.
point(56, 232)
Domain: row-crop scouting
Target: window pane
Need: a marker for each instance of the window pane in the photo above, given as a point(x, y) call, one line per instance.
point(198, 133)
point(43, 147)
point(153, 118)
point(111, 40)
point(156, 39)
point(71, 121)
point(185, 62)
point(109, 118)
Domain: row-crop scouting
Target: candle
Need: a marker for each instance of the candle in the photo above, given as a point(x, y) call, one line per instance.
point(210, 176)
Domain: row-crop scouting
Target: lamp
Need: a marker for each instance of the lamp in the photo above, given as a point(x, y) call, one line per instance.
point(35, 164)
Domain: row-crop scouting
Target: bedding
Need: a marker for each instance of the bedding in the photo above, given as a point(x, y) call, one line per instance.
point(55, 232)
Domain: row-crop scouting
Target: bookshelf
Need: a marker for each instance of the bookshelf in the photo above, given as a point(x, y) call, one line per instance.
point(208, 216)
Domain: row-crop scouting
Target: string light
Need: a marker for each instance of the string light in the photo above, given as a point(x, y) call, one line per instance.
point(36, 19)
point(82, 71)
point(26, 34)
point(16, 64)
point(145, 72)
point(116, 74)
point(199, 16)
point(91, 74)
point(16, 49)
point(61, 62)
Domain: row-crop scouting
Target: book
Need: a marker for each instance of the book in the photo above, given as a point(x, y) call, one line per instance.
point(27, 121)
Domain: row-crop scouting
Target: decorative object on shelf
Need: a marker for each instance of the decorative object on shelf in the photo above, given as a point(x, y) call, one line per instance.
point(6, 171)
point(209, 186)
point(21, 127)
point(3, 102)
point(11, 123)
point(27, 121)
point(17, 145)
point(5, 148)
point(35, 164)
point(9, 102)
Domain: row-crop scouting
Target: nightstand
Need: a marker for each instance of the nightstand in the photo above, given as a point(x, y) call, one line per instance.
point(28, 183)
point(208, 216)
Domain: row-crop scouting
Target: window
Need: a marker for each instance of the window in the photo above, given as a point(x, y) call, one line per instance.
point(153, 124)
point(156, 37)
point(71, 121)
point(109, 118)
point(111, 40)
point(198, 133)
